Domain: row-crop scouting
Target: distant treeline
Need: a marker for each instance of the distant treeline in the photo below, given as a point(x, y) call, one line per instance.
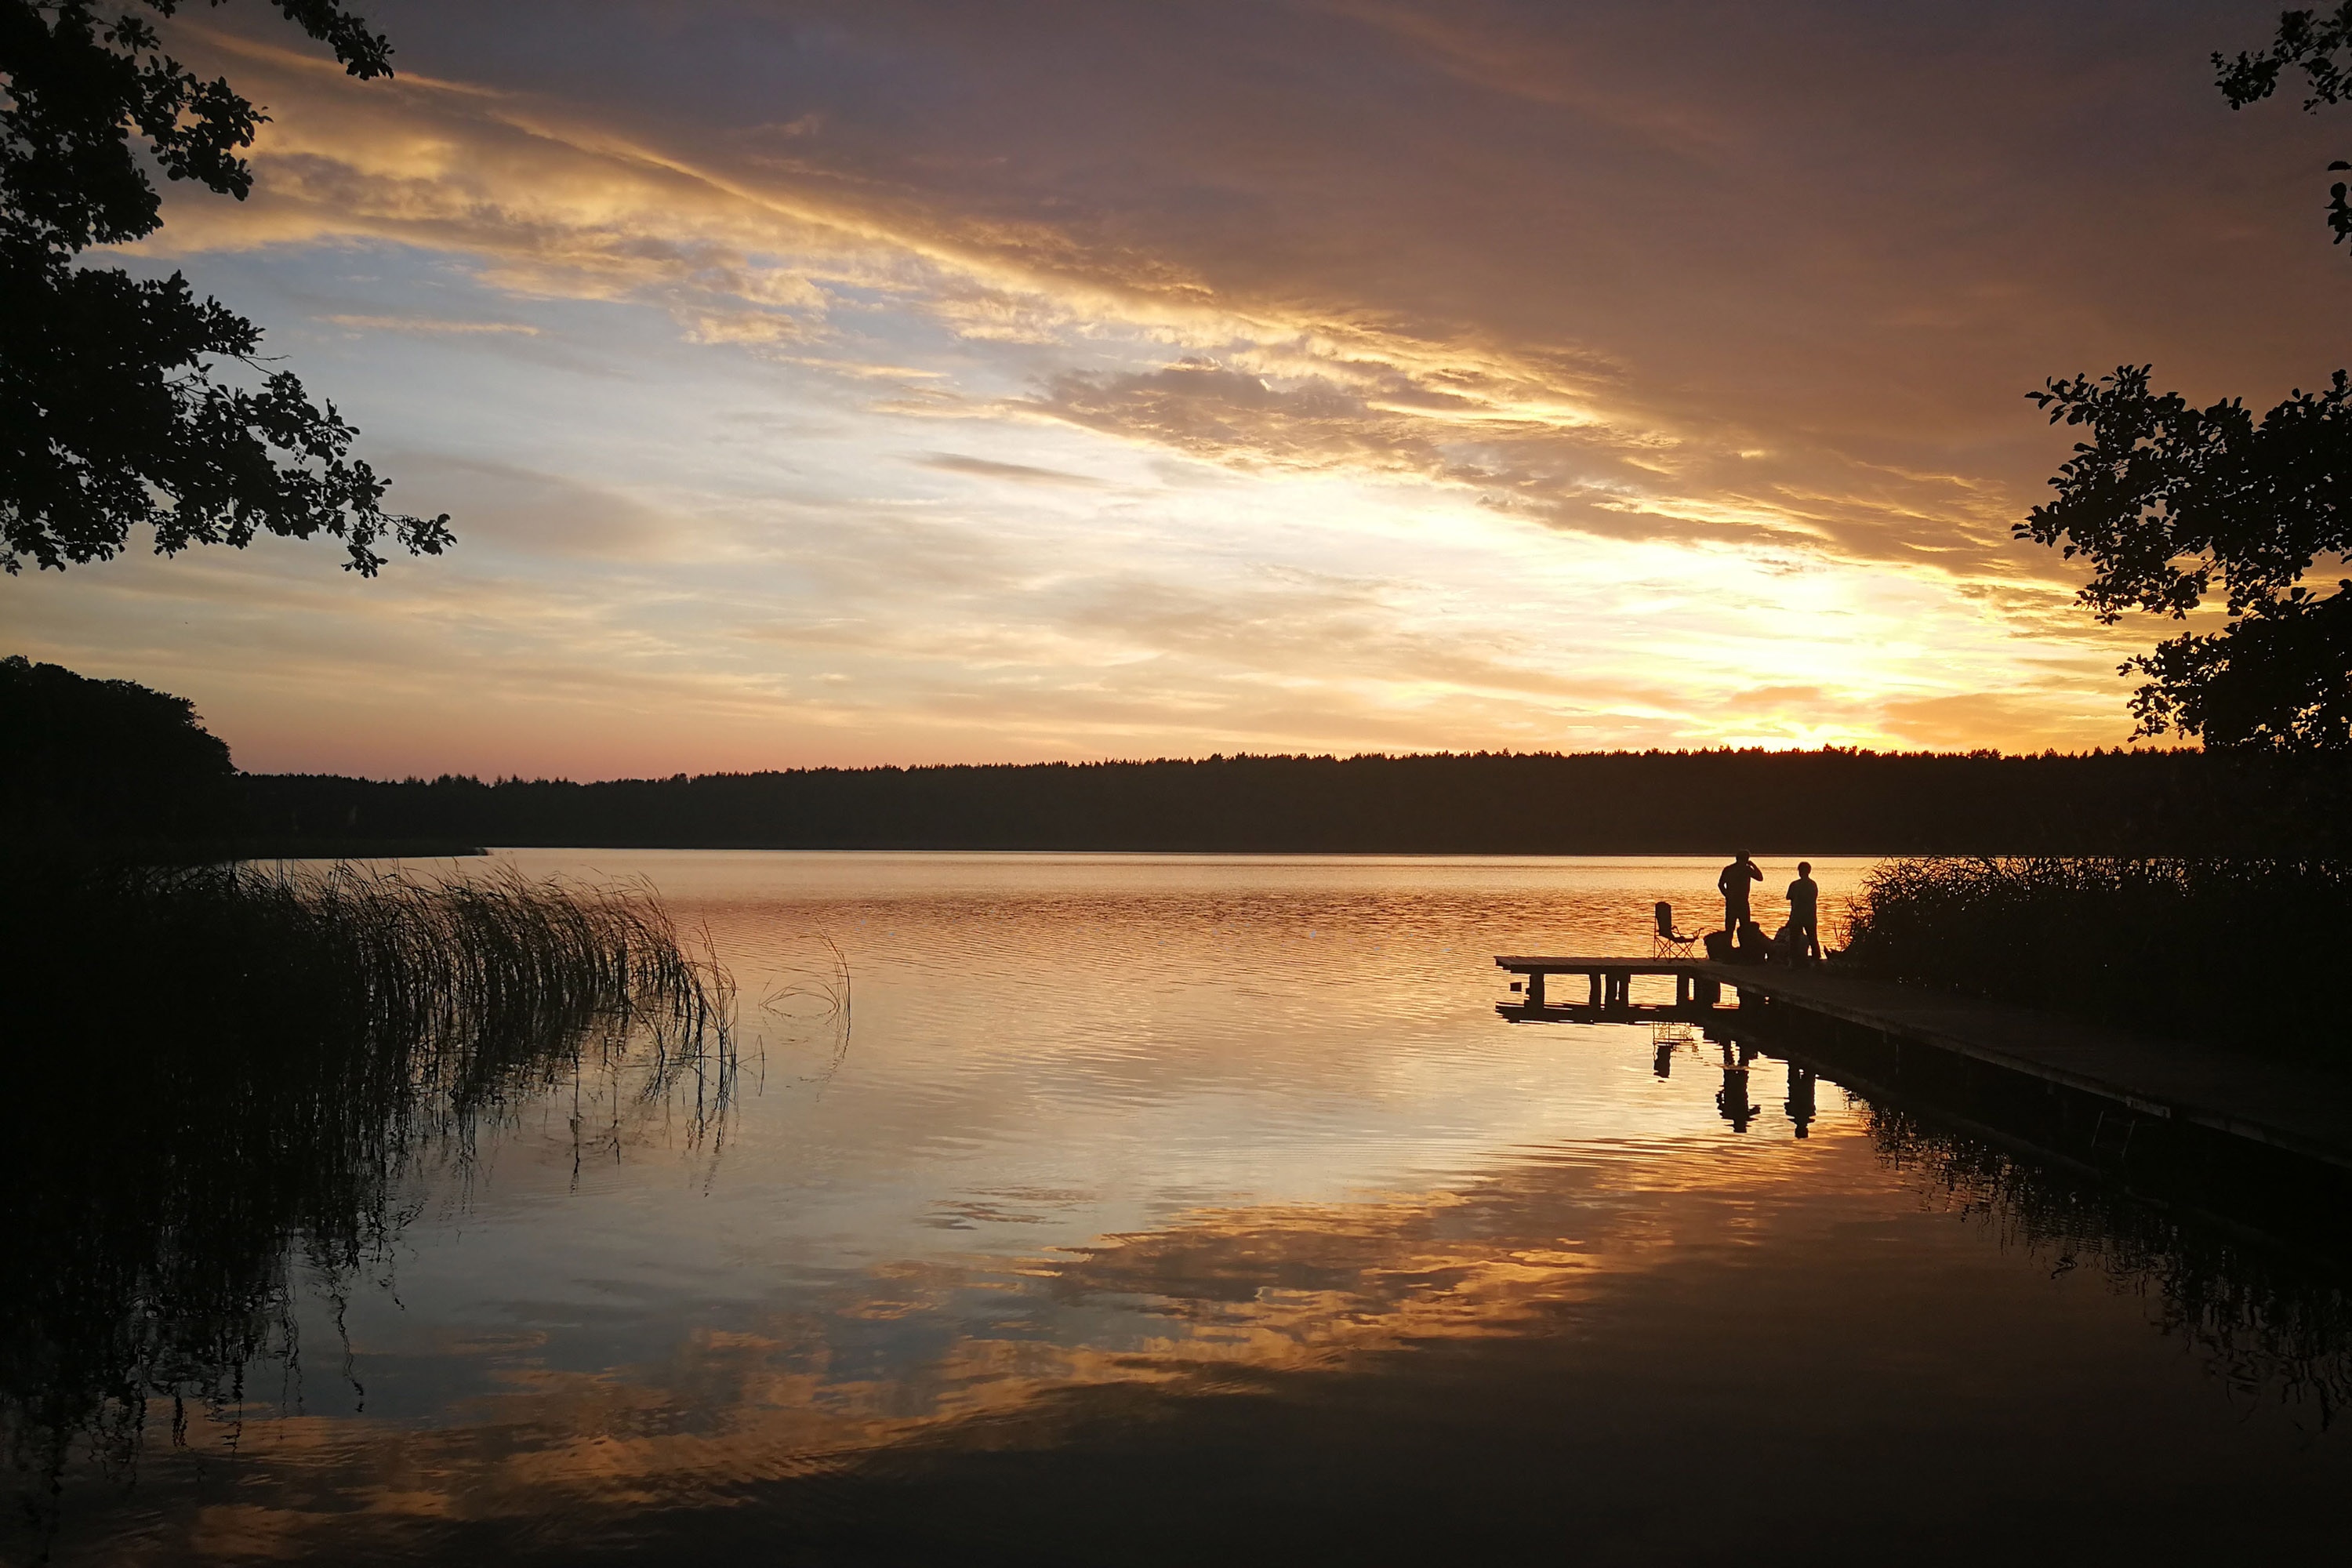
point(110, 764)
point(1779, 803)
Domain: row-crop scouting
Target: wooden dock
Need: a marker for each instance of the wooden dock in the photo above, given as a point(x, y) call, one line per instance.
point(1608, 987)
point(2301, 1109)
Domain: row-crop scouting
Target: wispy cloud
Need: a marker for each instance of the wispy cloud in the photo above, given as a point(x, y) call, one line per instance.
point(1142, 379)
point(1017, 473)
point(426, 324)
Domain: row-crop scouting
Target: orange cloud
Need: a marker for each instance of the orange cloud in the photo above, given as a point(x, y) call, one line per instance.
point(1610, 375)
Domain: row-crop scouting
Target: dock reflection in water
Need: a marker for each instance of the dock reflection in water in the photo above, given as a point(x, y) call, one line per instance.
point(1168, 1210)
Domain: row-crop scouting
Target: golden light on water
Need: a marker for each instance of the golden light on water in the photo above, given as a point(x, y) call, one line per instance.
point(1130, 1181)
point(1310, 1290)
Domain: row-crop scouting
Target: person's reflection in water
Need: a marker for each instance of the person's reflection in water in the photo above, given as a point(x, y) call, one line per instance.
point(1799, 1103)
point(1663, 1064)
point(1731, 1101)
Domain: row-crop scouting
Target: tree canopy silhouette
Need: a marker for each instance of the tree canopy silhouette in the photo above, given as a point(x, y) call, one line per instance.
point(104, 760)
point(111, 415)
point(2166, 501)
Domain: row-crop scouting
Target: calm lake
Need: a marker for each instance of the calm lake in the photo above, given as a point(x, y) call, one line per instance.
point(1109, 1209)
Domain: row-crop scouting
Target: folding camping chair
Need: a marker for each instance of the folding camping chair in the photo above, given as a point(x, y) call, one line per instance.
point(1667, 942)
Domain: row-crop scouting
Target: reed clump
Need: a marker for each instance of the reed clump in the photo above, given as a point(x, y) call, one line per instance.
point(221, 1072)
point(2231, 953)
point(431, 967)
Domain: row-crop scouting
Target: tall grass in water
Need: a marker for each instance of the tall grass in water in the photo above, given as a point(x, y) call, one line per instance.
point(2240, 953)
point(220, 1072)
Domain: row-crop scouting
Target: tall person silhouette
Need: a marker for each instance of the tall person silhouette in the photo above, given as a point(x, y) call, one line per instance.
point(1804, 912)
point(1733, 885)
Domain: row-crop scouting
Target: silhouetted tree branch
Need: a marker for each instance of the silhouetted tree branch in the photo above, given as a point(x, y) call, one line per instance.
point(109, 415)
point(2165, 500)
point(2311, 40)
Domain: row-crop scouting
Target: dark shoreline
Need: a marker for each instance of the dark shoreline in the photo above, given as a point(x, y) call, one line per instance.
point(220, 851)
point(1654, 802)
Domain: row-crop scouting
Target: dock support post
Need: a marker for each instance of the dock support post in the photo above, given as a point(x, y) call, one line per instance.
point(1535, 988)
point(1596, 994)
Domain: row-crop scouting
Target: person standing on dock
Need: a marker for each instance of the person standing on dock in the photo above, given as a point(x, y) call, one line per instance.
point(1733, 885)
point(1804, 912)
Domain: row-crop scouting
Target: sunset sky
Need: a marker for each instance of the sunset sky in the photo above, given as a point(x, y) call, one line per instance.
point(962, 382)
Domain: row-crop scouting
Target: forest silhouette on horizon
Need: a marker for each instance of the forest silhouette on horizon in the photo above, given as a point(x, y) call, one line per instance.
point(111, 762)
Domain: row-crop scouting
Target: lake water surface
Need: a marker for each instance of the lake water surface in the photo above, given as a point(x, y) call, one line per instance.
point(1187, 1209)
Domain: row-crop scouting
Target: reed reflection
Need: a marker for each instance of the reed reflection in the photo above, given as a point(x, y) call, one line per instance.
point(2271, 1316)
point(299, 1051)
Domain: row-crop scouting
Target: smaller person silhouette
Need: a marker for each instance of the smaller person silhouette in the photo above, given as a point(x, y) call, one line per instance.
point(1732, 883)
point(1804, 914)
